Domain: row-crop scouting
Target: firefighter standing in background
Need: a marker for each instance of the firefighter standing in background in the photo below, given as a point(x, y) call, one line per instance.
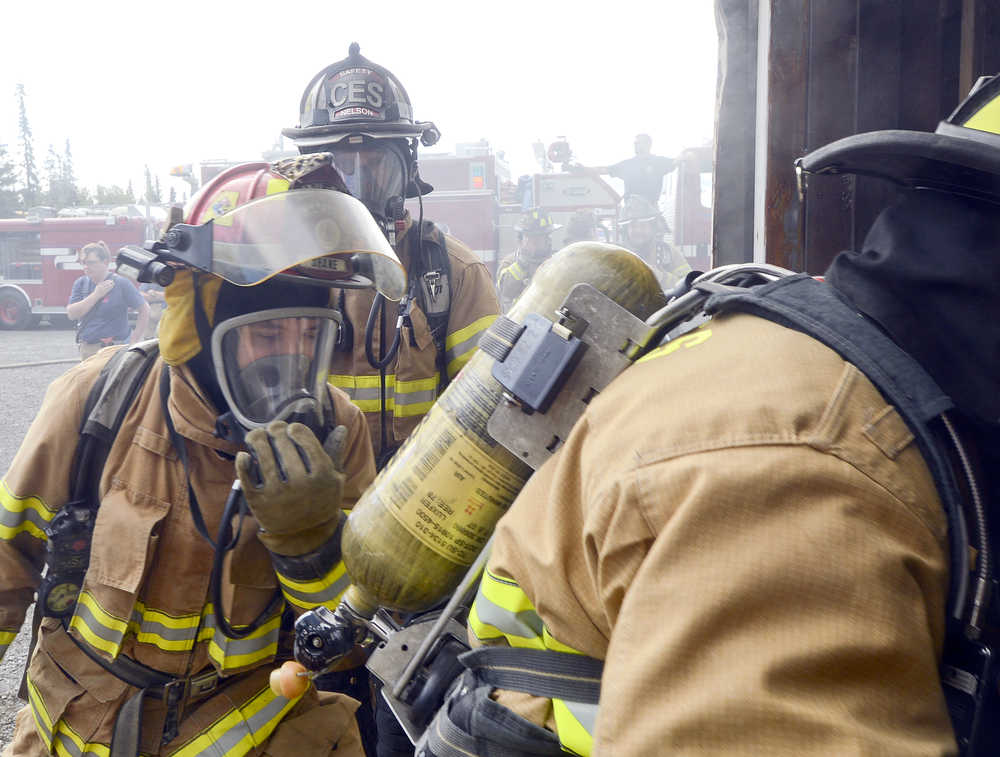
point(762, 561)
point(534, 236)
point(392, 363)
point(644, 234)
point(144, 658)
point(582, 226)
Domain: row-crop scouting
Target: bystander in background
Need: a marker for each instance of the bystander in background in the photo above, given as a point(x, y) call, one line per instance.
point(100, 302)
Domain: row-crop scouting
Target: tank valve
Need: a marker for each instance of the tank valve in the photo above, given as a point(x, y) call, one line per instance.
point(322, 636)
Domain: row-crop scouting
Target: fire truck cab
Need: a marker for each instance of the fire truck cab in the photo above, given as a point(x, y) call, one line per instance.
point(38, 261)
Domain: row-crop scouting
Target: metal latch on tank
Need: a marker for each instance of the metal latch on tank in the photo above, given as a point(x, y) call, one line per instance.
point(551, 369)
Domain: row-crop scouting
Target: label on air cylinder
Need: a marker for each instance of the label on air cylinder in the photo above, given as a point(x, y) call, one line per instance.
point(445, 490)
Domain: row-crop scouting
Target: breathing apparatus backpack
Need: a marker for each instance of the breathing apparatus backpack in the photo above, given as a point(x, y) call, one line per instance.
point(969, 675)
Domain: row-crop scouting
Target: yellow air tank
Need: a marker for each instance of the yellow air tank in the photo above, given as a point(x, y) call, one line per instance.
point(423, 521)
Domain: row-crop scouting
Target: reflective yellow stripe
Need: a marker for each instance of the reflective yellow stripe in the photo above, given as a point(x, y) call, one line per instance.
point(402, 398)
point(68, 743)
point(503, 610)
point(310, 594)
point(6, 637)
point(987, 118)
point(241, 729)
point(462, 345)
point(358, 382)
point(464, 333)
point(573, 735)
point(417, 385)
point(693, 339)
point(99, 628)
point(506, 593)
point(515, 271)
point(171, 633)
point(19, 514)
point(43, 722)
point(235, 653)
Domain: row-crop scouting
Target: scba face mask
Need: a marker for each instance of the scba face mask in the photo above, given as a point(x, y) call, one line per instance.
point(272, 365)
point(375, 171)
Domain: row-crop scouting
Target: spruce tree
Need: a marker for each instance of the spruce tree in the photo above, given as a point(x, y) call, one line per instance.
point(31, 189)
point(9, 201)
point(69, 176)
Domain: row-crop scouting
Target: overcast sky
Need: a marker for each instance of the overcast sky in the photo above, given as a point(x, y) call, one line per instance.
point(162, 84)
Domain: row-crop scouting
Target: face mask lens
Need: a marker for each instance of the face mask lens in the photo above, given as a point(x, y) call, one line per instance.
point(373, 174)
point(274, 368)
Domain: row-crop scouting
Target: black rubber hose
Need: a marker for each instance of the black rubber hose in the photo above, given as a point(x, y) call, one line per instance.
point(226, 541)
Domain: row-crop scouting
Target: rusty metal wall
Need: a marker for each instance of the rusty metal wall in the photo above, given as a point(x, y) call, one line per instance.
point(803, 73)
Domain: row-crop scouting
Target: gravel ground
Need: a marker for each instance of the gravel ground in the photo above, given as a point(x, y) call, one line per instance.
point(21, 392)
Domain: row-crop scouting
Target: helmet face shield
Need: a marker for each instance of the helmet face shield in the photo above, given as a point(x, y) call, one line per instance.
point(272, 364)
point(375, 174)
point(320, 235)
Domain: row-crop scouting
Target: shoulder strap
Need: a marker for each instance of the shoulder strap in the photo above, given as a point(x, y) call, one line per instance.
point(430, 282)
point(802, 303)
point(103, 412)
point(109, 399)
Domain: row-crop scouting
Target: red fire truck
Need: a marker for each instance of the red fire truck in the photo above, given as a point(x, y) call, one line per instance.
point(38, 261)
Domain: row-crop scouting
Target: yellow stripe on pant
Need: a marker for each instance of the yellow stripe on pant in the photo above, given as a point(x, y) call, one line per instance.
point(236, 732)
point(503, 610)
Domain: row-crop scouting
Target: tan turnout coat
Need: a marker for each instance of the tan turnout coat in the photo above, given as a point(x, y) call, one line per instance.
point(147, 594)
point(746, 533)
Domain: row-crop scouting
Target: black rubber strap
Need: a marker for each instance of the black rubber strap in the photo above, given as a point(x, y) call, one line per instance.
point(178, 443)
point(541, 672)
point(128, 727)
point(500, 337)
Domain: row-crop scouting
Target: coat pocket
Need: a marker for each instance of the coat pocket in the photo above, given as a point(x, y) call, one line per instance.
point(72, 698)
point(122, 549)
point(123, 533)
point(319, 731)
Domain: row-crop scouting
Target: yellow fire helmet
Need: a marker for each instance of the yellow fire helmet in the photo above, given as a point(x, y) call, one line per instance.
point(291, 220)
point(961, 156)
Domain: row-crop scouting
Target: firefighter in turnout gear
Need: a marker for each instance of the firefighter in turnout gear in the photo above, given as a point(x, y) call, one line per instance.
point(644, 229)
point(166, 647)
point(394, 360)
point(534, 235)
point(771, 534)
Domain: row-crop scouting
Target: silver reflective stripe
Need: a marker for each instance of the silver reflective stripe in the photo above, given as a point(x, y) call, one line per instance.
point(225, 742)
point(152, 627)
point(526, 624)
point(232, 648)
point(461, 348)
point(585, 713)
point(84, 614)
point(413, 398)
point(14, 519)
point(370, 393)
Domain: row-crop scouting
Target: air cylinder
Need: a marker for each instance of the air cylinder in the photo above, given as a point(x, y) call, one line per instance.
point(418, 527)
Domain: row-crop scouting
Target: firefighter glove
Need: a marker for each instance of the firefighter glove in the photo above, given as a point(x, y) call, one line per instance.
point(295, 488)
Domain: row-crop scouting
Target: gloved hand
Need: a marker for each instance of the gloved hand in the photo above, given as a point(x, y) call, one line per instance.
point(301, 484)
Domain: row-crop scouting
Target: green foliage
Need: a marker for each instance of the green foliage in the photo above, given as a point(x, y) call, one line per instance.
point(114, 195)
point(9, 200)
